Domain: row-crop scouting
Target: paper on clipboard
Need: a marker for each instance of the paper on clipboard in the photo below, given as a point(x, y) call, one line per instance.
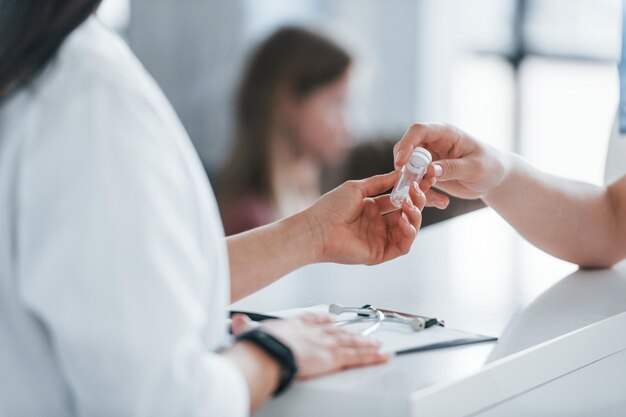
point(400, 338)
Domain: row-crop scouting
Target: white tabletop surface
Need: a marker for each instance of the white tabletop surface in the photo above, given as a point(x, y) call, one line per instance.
point(477, 274)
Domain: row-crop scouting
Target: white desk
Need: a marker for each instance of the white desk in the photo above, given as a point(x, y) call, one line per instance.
point(474, 272)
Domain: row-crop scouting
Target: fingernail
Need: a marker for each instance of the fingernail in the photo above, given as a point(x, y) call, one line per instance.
point(410, 203)
point(438, 170)
point(439, 204)
point(416, 186)
point(399, 155)
point(433, 181)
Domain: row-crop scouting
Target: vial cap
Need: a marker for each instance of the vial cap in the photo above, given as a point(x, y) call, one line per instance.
point(420, 157)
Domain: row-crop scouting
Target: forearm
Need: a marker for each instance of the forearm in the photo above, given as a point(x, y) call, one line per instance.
point(571, 220)
point(261, 256)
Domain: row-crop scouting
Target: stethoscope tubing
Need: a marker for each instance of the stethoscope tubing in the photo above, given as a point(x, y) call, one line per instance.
point(369, 313)
point(378, 320)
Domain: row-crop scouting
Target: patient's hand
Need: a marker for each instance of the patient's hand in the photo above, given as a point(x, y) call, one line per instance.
point(352, 227)
point(462, 166)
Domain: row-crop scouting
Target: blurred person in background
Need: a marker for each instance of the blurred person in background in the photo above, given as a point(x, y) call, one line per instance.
point(290, 121)
point(115, 274)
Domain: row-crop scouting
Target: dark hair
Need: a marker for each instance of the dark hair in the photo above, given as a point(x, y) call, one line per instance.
point(31, 32)
point(292, 60)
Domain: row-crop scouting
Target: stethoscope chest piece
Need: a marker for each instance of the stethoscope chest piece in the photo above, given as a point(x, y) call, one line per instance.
point(368, 313)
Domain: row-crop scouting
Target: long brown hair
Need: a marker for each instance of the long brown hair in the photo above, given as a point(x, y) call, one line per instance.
point(31, 31)
point(294, 60)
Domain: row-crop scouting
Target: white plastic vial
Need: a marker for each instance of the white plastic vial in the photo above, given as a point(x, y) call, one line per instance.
point(412, 172)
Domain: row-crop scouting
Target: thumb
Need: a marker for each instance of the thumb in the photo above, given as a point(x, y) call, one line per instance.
point(450, 169)
point(377, 184)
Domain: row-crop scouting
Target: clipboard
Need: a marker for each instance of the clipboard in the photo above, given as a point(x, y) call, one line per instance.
point(398, 338)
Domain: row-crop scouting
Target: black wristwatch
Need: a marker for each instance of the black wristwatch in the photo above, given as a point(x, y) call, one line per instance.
point(278, 351)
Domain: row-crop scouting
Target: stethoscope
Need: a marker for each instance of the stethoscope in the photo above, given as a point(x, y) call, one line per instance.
point(378, 316)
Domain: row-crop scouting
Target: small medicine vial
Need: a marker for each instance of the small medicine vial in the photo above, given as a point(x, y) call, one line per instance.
point(412, 172)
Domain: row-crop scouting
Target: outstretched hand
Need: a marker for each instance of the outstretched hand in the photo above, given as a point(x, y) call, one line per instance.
point(462, 166)
point(356, 224)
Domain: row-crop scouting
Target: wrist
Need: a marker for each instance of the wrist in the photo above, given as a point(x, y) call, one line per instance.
point(260, 370)
point(510, 164)
point(310, 230)
point(280, 353)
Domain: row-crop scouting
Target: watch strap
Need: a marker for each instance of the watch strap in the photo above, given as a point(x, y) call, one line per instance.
point(281, 353)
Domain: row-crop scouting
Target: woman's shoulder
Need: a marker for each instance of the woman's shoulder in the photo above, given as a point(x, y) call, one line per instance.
point(94, 67)
point(246, 212)
point(96, 84)
point(95, 108)
point(94, 54)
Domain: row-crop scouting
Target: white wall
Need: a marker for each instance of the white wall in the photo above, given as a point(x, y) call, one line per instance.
point(194, 49)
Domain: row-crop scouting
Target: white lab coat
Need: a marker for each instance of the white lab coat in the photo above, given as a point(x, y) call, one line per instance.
point(113, 263)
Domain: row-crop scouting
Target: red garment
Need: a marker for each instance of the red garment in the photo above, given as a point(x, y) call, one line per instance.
point(248, 212)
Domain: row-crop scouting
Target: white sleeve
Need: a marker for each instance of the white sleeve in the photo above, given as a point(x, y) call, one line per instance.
point(112, 265)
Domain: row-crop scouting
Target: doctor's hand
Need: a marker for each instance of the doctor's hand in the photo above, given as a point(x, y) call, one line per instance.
point(354, 224)
point(462, 166)
point(319, 347)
